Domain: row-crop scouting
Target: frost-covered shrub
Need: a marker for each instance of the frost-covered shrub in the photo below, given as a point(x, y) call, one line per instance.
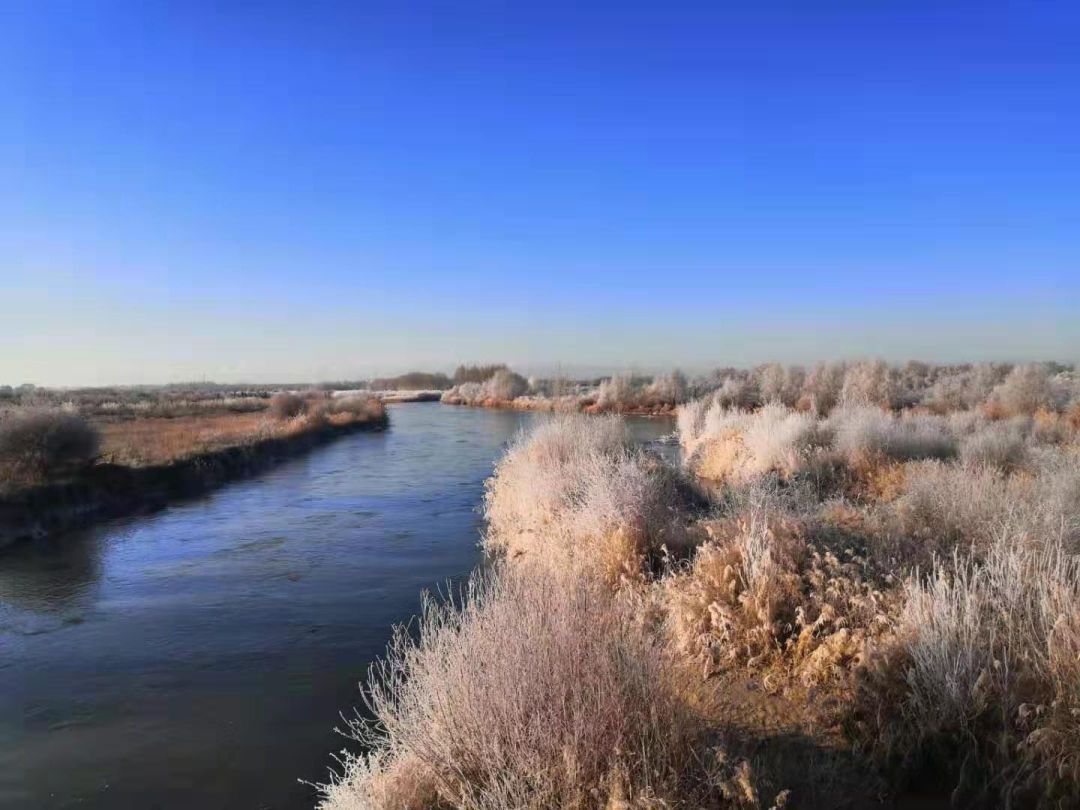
point(823, 386)
point(731, 444)
point(1025, 390)
point(690, 421)
point(779, 383)
point(576, 494)
point(868, 383)
point(737, 392)
point(501, 385)
point(666, 390)
point(983, 672)
point(533, 693)
point(964, 387)
point(996, 444)
point(736, 445)
point(620, 391)
point(467, 393)
point(505, 385)
point(868, 431)
point(1054, 494)
point(1065, 387)
point(949, 506)
point(946, 506)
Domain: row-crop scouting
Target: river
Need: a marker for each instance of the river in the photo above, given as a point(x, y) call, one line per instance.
point(199, 657)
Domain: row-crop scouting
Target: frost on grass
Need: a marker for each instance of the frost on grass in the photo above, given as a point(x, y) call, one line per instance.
point(982, 676)
point(531, 694)
point(913, 567)
point(577, 494)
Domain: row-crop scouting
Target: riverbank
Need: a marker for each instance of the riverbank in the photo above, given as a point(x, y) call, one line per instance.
point(146, 463)
point(816, 609)
point(153, 660)
point(567, 404)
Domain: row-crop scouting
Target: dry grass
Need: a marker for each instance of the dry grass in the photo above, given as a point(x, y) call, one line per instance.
point(1003, 445)
point(768, 594)
point(140, 442)
point(981, 679)
point(534, 693)
point(360, 406)
point(955, 507)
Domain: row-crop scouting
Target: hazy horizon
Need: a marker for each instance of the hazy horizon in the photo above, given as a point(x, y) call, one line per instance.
point(276, 193)
point(543, 370)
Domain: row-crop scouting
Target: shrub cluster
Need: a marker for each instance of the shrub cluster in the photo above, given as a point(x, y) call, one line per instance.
point(286, 405)
point(895, 547)
point(547, 687)
point(998, 390)
point(317, 408)
point(39, 442)
point(943, 596)
point(502, 386)
point(360, 406)
point(625, 392)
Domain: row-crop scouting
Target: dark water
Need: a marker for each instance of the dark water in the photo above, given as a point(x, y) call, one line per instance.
point(199, 657)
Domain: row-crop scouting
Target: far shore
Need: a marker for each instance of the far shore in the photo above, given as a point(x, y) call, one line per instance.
point(145, 462)
point(568, 405)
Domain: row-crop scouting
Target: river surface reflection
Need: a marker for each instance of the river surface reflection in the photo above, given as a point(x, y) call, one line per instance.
point(199, 657)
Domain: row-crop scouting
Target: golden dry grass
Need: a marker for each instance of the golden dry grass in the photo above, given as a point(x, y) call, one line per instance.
point(140, 442)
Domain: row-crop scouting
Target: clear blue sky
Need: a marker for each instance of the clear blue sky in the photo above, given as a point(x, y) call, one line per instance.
point(312, 190)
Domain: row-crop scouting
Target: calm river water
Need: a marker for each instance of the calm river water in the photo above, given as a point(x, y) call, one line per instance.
point(199, 657)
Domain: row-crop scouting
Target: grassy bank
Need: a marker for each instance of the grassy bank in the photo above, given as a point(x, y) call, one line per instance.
point(61, 470)
point(828, 603)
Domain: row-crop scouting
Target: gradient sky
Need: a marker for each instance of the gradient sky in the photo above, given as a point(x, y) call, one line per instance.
point(304, 191)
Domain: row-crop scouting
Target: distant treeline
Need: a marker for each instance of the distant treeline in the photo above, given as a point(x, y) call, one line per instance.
point(436, 380)
point(477, 374)
point(412, 381)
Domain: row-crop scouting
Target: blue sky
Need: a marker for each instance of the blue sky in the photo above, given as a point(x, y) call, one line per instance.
point(303, 191)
